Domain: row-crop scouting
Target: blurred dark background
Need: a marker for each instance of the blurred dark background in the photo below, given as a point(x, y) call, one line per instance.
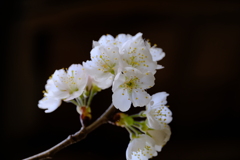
point(201, 40)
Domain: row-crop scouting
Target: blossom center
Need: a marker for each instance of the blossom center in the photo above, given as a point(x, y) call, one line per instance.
point(130, 84)
point(136, 57)
point(106, 66)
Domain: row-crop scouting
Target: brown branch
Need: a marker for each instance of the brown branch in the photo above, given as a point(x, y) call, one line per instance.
point(78, 136)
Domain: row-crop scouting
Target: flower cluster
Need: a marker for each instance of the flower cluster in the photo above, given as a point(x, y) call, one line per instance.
point(127, 64)
point(150, 135)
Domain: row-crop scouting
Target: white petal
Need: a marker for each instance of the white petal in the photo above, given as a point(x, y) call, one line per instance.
point(50, 88)
point(157, 53)
point(49, 103)
point(121, 100)
point(159, 98)
point(140, 98)
point(123, 37)
point(58, 77)
point(147, 81)
point(95, 43)
point(118, 80)
point(153, 123)
point(105, 39)
point(73, 95)
point(161, 137)
point(105, 81)
point(138, 36)
point(60, 94)
point(95, 52)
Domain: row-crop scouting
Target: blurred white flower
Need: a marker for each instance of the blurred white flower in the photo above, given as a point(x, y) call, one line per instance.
point(158, 115)
point(129, 87)
point(141, 148)
point(160, 136)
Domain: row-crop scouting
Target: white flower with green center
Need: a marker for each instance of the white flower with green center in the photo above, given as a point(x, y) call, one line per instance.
point(129, 87)
point(141, 148)
point(104, 65)
point(70, 83)
point(158, 115)
point(49, 102)
point(135, 53)
point(160, 136)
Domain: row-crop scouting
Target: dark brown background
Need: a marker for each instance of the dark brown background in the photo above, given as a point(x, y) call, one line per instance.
point(202, 44)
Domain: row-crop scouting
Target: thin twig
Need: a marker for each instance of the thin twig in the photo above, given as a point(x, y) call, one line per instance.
point(78, 136)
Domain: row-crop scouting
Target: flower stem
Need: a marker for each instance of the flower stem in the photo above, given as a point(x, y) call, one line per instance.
point(134, 130)
point(90, 97)
point(78, 136)
point(79, 101)
point(74, 102)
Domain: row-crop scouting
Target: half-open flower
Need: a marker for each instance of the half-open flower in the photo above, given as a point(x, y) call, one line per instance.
point(158, 115)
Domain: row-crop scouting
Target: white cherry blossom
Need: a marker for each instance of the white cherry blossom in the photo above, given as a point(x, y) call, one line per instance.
point(70, 83)
point(63, 85)
point(129, 87)
point(135, 53)
point(103, 65)
point(141, 148)
point(158, 115)
point(100, 78)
